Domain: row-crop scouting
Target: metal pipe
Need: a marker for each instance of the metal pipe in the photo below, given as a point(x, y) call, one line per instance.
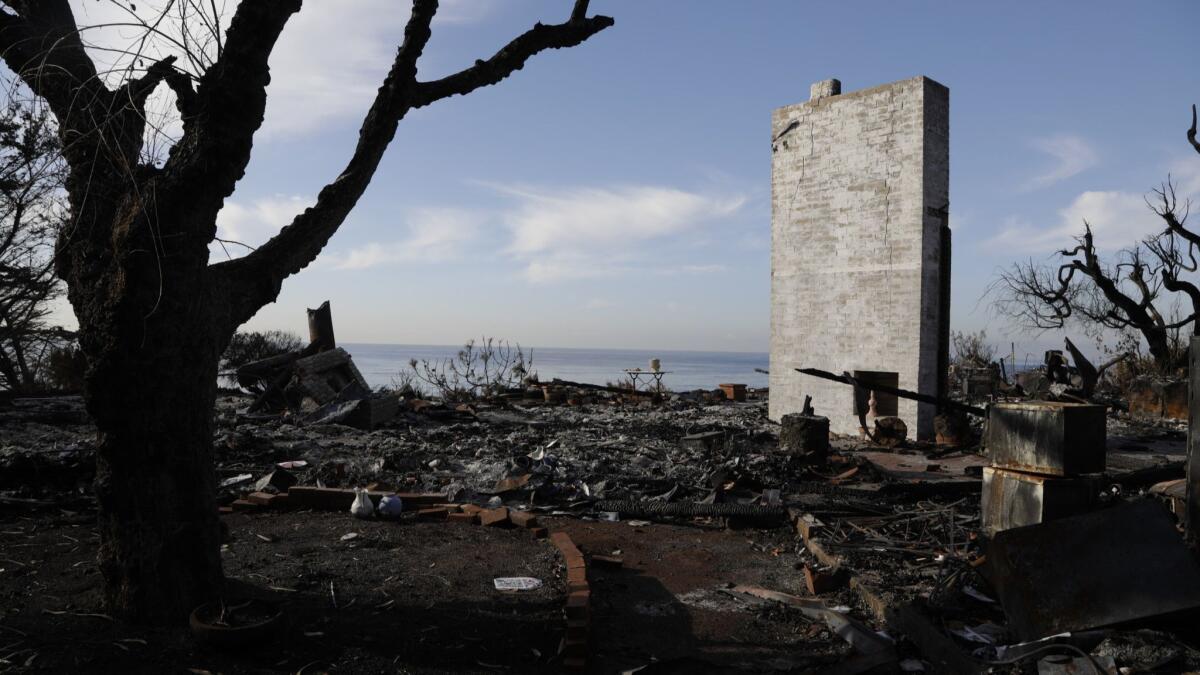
point(902, 393)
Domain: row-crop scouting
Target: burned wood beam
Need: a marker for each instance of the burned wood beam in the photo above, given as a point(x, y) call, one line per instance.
point(902, 393)
point(320, 329)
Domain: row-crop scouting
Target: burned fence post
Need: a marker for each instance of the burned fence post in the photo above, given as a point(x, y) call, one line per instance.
point(804, 436)
point(320, 328)
point(1192, 515)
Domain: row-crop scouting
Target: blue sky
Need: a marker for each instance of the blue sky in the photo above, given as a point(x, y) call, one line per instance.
point(618, 194)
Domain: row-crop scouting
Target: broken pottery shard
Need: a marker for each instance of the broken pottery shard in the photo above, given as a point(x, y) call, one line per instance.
point(1103, 568)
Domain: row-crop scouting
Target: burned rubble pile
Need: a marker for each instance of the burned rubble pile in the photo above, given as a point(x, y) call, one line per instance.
point(1038, 535)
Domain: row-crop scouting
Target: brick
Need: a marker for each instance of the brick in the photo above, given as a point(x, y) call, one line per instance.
point(809, 526)
point(577, 575)
point(540, 532)
point(819, 582)
point(470, 508)
point(422, 498)
point(436, 513)
point(574, 559)
point(494, 517)
point(244, 505)
point(577, 605)
point(224, 510)
point(260, 498)
point(572, 647)
point(578, 628)
point(325, 499)
point(523, 519)
point(468, 518)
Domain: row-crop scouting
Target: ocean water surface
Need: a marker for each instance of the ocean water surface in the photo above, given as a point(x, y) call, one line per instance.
point(380, 363)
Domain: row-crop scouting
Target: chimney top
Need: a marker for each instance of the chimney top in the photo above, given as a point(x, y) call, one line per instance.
point(824, 89)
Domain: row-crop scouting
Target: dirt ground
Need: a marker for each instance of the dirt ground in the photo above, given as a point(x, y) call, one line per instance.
point(418, 597)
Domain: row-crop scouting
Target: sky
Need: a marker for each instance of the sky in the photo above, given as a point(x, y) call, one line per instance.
point(617, 194)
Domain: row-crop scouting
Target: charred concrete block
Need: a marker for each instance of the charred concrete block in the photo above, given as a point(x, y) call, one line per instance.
point(804, 434)
point(1107, 567)
point(1015, 499)
point(1056, 439)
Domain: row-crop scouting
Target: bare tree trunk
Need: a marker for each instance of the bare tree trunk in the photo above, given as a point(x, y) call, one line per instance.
point(160, 551)
point(155, 483)
point(1192, 516)
point(154, 316)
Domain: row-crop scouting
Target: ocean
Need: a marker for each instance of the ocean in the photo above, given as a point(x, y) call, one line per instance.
point(380, 363)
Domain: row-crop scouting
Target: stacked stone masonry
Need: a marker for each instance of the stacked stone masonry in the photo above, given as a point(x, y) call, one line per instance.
point(860, 246)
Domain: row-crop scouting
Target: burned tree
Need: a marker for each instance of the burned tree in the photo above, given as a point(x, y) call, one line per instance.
point(1129, 293)
point(154, 315)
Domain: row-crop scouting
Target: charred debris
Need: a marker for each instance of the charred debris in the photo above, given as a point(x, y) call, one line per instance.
point(1041, 531)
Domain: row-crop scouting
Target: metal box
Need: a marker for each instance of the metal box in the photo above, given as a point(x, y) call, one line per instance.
point(1102, 568)
point(1014, 499)
point(1056, 439)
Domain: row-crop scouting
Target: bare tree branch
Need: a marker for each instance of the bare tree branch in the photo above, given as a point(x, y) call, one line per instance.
point(511, 57)
point(43, 48)
point(229, 103)
point(1191, 134)
point(299, 243)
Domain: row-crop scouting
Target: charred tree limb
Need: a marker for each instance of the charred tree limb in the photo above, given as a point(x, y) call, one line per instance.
point(511, 58)
point(943, 403)
point(262, 272)
point(1191, 133)
point(228, 106)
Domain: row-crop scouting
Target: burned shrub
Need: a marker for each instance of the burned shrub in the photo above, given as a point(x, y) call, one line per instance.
point(479, 370)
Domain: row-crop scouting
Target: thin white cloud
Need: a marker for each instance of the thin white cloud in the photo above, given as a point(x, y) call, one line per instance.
point(255, 222)
point(579, 233)
point(1071, 155)
point(435, 235)
point(695, 269)
point(1118, 219)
